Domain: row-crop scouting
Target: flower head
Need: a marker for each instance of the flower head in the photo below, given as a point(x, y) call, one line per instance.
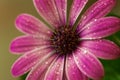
point(61, 50)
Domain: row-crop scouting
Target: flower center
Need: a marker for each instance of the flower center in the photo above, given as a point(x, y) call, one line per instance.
point(64, 40)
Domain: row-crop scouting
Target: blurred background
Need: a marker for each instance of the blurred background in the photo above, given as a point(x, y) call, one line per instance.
point(9, 9)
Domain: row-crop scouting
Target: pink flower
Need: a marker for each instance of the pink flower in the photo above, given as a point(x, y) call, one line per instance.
point(60, 50)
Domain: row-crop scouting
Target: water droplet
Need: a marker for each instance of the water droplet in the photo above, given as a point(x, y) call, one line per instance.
point(69, 58)
point(46, 62)
point(105, 3)
point(58, 65)
point(84, 17)
point(57, 72)
point(68, 65)
point(88, 27)
point(85, 52)
point(92, 11)
point(95, 19)
point(73, 73)
point(84, 66)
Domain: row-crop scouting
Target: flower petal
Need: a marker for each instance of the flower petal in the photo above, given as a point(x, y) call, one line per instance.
point(76, 8)
point(88, 64)
point(97, 10)
point(100, 28)
point(47, 10)
point(30, 25)
point(27, 61)
point(72, 71)
point(55, 71)
point(102, 48)
point(24, 44)
point(38, 72)
point(61, 6)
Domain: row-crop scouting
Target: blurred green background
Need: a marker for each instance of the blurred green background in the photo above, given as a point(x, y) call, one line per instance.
point(9, 9)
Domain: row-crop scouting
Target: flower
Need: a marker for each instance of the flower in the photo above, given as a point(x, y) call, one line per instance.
point(59, 50)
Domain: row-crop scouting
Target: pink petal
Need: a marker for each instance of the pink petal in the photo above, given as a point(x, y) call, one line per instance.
point(38, 72)
point(72, 71)
point(76, 8)
point(100, 28)
point(55, 71)
point(24, 44)
point(99, 9)
point(61, 6)
point(47, 10)
point(30, 25)
point(27, 61)
point(88, 64)
point(102, 48)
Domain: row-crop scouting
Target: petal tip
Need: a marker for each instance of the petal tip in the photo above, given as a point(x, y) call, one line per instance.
point(17, 20)
point(14, 72)
point(11, 48)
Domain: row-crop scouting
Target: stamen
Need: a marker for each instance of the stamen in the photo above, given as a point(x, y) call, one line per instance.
point(65, 40)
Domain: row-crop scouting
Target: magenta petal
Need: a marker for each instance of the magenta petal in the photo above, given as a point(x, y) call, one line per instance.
point(31, 25)
point(76, 8)
point(88, 64)
point(61, 6)
point(27, 61)
point(47, 10)
point(55, 71)
point(72, 71)
point(100, 28)
point(102, 48)
point(97, 10)
point(24, 44)
point(38, 72)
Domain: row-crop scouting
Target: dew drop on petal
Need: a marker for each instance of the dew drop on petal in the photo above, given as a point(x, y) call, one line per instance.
point(46, 62)
point(95, 19)
point(83, 66)
point(57, 72)
point(73, 73)
point(63, 10)
point(69, 58)
point(85, 52)
point(84, 17)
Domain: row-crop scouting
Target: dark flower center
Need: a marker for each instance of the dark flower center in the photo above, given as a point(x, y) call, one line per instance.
point(64, 40)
